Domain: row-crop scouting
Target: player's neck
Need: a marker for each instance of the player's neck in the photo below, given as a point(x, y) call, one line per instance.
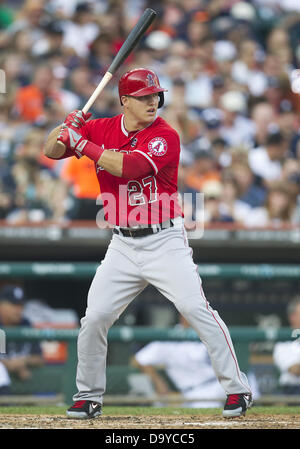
point(132, 124)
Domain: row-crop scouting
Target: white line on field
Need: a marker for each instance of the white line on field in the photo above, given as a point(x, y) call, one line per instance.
point(232, 423)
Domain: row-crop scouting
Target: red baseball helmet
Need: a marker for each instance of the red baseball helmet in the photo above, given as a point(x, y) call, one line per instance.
point(140, 82)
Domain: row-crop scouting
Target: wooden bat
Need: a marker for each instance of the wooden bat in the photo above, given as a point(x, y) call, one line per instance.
point(132, 40)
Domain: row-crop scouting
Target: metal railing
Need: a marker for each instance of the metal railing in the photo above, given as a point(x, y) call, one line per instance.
point(241, 336)
point(86, 270)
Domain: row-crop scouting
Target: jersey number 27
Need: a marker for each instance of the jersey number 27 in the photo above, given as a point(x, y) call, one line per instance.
point(142, 192)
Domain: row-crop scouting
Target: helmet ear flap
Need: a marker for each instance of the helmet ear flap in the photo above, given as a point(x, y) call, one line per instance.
point(161, 99)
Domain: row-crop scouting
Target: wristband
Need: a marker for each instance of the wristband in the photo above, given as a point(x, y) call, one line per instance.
point(89, 149)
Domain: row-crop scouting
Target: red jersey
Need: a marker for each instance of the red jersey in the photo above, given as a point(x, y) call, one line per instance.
point(149, 200)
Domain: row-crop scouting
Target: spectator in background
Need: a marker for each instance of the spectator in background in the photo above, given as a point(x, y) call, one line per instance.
point(249, 191)
point(83, 24)
point(174, 69)
point(287, 120)
point(278, 43)
point(266, 161)
point(29, 20)
point(14, 69)
point(263, 117)
point(81, 84)
point(32, 186)
point(278, 210)
point(51, 45)
point(32, 99)
point(6, 15)
point(230, 204)
point(211, 57)
point(6, 200)
point(291, 178)
point(218, 88)
point(246, 70)
point(178, 114)
point(80, 176)
point(198, 86)
point(224, 54)
point(20, 357)
point(222, 152)
point(188, 367)
point(236, 127)
point(276, 91)
point(204, 169)
point(212, 121)
point(213, 212)
point(101, 54)
point(286, 355)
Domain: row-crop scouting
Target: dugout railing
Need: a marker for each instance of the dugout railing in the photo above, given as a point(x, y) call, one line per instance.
point(61, 377)
point(242, 338)
point(85, 270)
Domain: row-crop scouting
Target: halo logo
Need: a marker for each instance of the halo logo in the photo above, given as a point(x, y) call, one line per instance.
point(151, 82)
point(158, 146)
point(2, 82)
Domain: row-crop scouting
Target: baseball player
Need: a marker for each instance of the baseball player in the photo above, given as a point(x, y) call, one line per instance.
point(136, 156)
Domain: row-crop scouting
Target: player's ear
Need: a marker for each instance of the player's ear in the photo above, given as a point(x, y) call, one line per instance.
point(124, 100)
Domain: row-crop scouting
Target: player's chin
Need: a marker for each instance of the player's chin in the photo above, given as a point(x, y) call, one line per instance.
point(150, 116)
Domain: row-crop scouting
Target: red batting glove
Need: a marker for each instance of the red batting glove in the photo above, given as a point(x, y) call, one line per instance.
point(81, 147)
point(72, 140)
point(76, 119)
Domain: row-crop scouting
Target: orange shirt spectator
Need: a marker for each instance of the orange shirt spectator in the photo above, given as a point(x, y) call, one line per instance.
point(196, 181)
point(82, 175)
point(29, 102)
point(203, 170)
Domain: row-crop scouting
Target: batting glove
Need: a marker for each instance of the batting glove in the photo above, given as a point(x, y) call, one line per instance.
point(72, 139)
point(76, 119)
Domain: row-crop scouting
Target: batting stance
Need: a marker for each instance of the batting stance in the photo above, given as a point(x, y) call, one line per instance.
point(136, 157)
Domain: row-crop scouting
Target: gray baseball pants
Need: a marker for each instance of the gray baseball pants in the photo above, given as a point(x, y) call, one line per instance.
point(163, 259)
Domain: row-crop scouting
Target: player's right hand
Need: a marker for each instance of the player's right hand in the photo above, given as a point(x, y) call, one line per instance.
point(72, 139)
point(76, 119)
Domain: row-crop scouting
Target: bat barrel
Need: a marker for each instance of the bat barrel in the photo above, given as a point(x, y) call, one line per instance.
point(133, 38)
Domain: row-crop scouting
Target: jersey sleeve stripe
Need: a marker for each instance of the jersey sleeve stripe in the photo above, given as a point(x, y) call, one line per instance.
point(149, 159)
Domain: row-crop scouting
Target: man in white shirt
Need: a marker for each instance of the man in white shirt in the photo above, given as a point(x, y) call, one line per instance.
point(266, 161)
point(236, 129)
point(287, 354)
point(81, 31)
point(188, 367)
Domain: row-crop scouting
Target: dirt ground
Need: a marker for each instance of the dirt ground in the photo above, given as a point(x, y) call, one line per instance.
point(150, 422)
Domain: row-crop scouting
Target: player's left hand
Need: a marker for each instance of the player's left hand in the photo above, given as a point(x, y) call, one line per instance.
point(76, 119)
point(72, 139)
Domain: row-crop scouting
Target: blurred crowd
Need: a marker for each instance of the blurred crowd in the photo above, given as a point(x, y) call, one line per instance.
point(227, 66)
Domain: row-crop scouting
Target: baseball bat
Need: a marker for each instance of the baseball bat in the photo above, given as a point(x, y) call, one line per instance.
point(132, 40)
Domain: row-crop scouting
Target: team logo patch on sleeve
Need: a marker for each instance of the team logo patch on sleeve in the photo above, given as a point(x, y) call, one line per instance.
point(158, 146)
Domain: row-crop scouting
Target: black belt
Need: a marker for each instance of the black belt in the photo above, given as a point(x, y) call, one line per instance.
point(143, 232)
